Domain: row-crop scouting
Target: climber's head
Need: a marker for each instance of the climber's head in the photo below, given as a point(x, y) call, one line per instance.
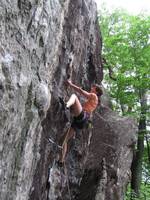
point(97, 89)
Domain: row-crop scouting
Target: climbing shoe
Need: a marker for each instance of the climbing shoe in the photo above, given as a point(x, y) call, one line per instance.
point(64, 107)
point(62, 103)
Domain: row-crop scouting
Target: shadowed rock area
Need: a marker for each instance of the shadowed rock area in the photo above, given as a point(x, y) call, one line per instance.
point(42, 43)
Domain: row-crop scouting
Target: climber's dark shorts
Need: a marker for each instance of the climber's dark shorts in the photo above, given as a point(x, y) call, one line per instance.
point(80, 121)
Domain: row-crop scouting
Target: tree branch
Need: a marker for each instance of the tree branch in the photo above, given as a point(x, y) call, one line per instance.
point(104, 62)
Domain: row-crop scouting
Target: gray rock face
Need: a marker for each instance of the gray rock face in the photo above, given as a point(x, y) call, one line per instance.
point(42, 43)
point(107, 169)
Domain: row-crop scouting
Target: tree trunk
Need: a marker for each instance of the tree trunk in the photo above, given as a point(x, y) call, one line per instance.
point(136, 167)
point(148, 147)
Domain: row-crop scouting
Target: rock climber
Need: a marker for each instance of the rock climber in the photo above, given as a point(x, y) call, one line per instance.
point(81, 112)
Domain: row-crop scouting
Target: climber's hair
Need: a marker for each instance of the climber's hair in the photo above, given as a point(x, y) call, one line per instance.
point(99, 90)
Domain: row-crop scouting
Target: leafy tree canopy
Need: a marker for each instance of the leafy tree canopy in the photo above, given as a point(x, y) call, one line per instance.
point(126, 54)
point(126, 47)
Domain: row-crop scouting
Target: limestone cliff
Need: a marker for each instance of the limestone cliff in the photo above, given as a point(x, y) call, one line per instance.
point(42, 42)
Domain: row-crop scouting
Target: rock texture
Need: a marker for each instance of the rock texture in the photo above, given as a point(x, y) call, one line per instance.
point(42, 43)
point(107, 169)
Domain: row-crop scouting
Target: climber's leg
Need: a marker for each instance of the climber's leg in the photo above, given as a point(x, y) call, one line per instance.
point(76, 108)
point(75, 104)
point(69, 135)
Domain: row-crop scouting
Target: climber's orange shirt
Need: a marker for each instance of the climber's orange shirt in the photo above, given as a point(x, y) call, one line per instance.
point(91, 104)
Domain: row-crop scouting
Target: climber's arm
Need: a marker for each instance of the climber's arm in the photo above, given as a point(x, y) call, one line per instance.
point(78, 89)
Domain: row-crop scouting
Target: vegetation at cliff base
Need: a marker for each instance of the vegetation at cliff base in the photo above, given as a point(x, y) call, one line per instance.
point(126, 61)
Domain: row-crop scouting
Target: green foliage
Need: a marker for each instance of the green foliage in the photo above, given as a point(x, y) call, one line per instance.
point(144, 194)
point(126, 48)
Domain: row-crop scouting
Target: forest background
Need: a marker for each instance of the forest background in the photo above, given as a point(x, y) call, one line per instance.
point(126, 61)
